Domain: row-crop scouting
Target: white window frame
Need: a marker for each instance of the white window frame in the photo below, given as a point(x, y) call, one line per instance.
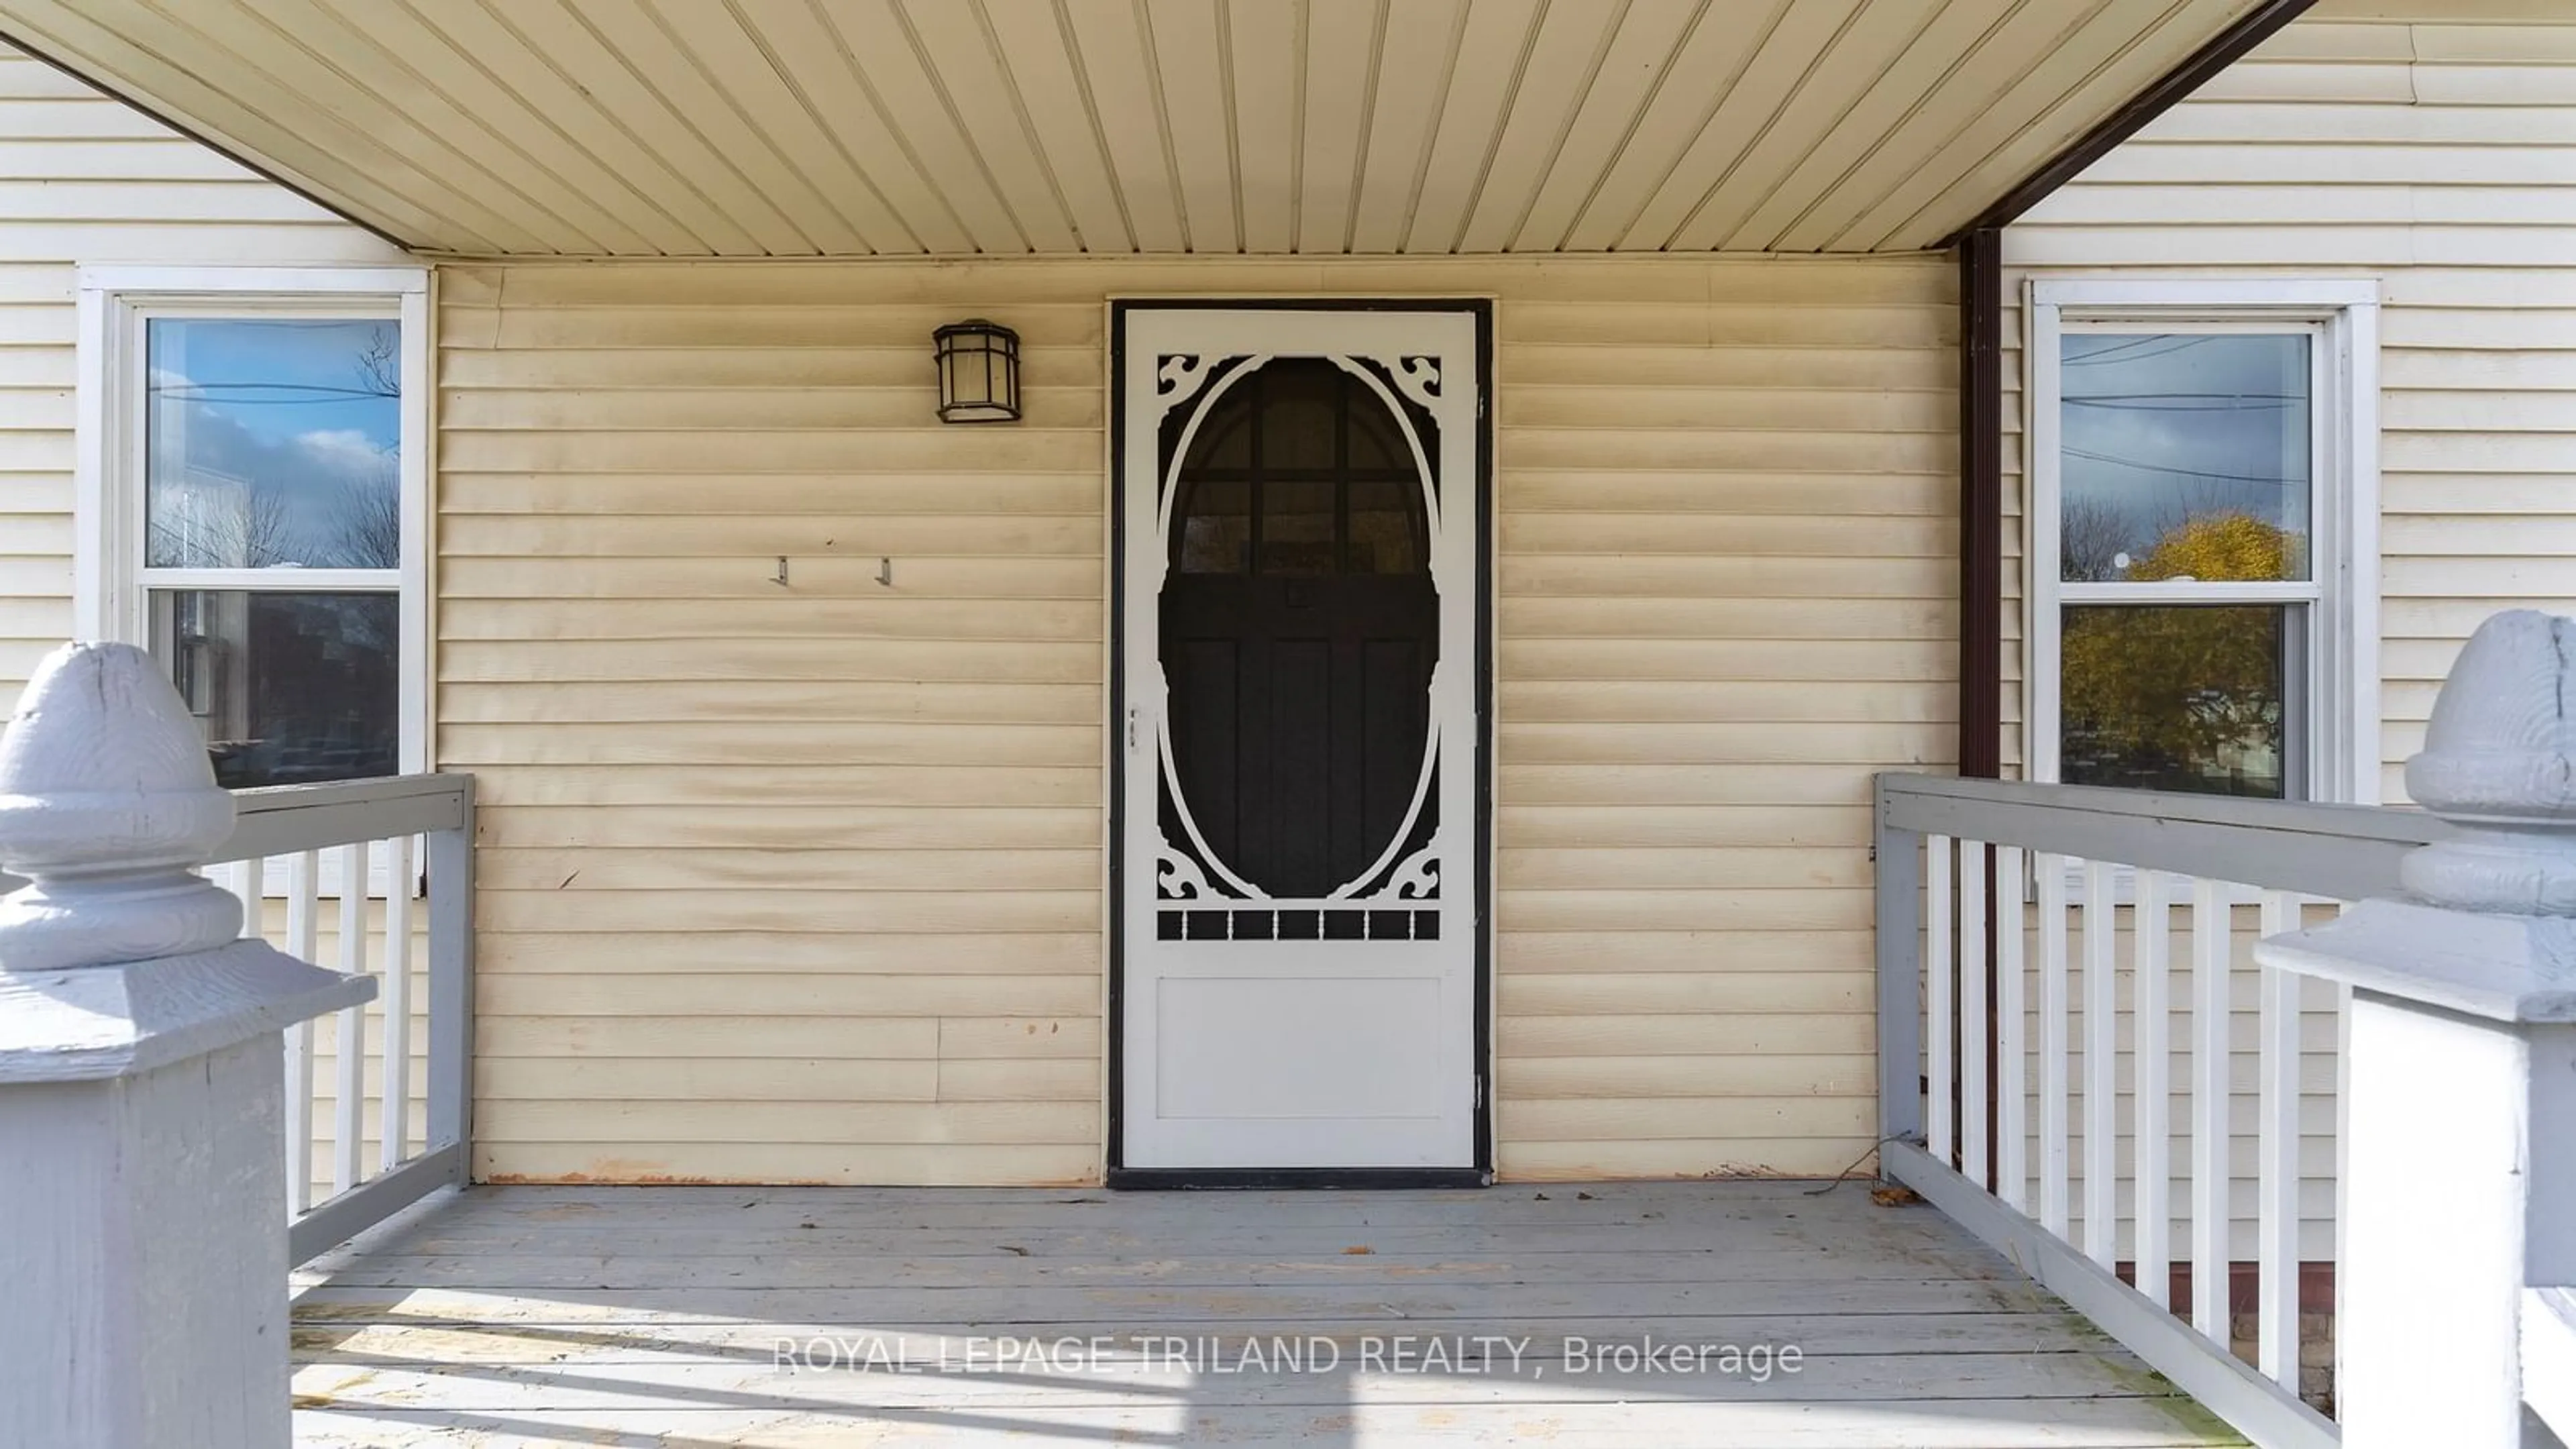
point(110, 582)
point(2341, 747)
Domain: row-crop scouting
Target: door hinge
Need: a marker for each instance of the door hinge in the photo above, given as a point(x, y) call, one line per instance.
point(1480, 1090)
point(1131, 730)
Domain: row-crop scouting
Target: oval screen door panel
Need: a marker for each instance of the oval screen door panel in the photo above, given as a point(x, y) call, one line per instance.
point(1300, 521)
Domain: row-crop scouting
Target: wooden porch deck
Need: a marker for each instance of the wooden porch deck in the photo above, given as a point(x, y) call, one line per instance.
point(702, 1316)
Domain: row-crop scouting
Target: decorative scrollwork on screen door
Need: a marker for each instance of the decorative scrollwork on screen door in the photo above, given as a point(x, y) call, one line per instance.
point(1397, 894)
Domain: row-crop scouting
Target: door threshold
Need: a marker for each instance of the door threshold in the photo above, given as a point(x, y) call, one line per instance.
point(1253, 1179)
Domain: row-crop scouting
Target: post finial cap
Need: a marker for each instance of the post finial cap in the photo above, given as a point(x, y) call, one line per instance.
point(2499, 758)
point(2501, 746)
point(106, 800)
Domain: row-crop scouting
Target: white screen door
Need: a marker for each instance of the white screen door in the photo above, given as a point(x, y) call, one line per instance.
point(1300, 533)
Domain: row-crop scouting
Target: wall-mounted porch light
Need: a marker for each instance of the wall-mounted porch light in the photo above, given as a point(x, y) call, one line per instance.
point(979, 372)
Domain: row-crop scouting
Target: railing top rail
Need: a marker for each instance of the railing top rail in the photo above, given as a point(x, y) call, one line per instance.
point(2346, 852)
point(283, 819)
point(269, 799)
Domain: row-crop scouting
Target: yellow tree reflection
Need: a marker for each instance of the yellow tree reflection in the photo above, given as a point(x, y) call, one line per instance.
point(2184, 694)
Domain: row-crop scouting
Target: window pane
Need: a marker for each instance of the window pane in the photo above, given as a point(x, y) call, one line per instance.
point(2180, 698)
point(1315, 517)
point(1216, 528)
point(272, 443)
point(2184, 456)
point(1301, 404)
point(1296, 528)
point(291, 688)
point(1375, 444)
point(1224, 442)
point(1384, 519)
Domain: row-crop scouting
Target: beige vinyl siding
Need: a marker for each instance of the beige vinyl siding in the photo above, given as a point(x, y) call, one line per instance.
point(85, 180)
point(806, 882)
point(2439, 159)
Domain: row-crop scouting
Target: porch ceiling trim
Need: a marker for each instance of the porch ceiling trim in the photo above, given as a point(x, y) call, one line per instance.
point(1114, 127)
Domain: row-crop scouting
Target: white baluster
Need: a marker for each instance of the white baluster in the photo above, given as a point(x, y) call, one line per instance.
point(349, 1091)
point(242, 878)
point(1938, 1016)
point(2054, 1147)
point(2152, 1011)
point(1972, 1010)
point(2101, 1068)
point(2343, 1108)
point(396, 1127)
point(304, 870)
point(2277, 1190)
point(2211, 925)
point(2012, 1075)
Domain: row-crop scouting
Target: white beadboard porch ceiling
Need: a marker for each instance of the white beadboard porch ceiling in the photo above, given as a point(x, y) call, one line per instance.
point(858, 127)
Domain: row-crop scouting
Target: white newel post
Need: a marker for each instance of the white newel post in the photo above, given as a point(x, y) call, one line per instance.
point(142, 1177)
point(2459, 1186)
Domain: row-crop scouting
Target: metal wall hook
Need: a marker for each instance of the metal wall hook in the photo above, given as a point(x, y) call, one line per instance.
point(885, 572)
point(780, 578)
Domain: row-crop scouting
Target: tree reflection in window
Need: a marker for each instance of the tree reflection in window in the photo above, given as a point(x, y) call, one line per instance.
point(2186, 503)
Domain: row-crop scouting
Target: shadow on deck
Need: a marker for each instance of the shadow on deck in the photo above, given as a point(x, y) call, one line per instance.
point(806, 1317)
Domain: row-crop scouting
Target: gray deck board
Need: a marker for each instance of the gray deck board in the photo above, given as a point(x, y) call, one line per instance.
point(657, 1316)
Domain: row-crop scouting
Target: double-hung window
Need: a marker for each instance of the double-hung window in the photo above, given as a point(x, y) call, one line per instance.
point(2203, 536)
point(252, 506)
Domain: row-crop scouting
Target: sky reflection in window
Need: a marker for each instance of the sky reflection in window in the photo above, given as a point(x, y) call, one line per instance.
point(273, 443)
point(2184, 456)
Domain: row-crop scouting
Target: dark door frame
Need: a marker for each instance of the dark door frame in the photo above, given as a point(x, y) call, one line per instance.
point(1481, 1173)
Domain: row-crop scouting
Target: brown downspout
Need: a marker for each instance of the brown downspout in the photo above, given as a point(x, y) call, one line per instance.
point(1981, 418)
point(1981, 504)
point(1981, 569)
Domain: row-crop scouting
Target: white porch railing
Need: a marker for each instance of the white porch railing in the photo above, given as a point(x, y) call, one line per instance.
point(2028, 932)
point(396, 856)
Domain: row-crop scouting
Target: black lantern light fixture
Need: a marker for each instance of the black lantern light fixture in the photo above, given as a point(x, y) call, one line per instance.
point(979, 372)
